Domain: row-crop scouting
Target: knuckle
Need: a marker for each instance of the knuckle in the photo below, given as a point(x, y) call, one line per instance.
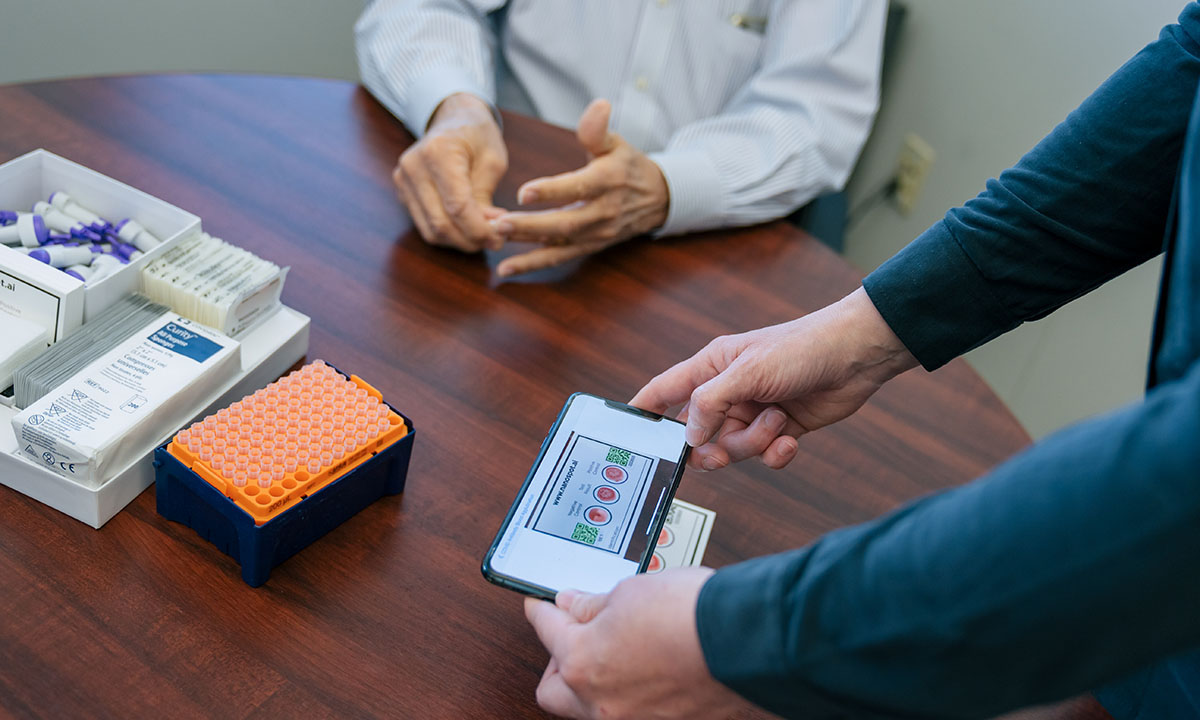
point(574, 674)
point(609, 206)
point(455, 206)
point(541, 694)
point(570, 228)
point(493, 164)
point(409, 161)
point(607, 711)
point(718, 344)
point(607, 231)
point(703, 402)
point(614, 173)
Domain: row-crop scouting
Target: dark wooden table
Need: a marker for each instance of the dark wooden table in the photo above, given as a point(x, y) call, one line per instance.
point(388, 615)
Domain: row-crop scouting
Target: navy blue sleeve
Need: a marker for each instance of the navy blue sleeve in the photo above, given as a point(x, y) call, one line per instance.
point(1070, 565)
point(1086, 204)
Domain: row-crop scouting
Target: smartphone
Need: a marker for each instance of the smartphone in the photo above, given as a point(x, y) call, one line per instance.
point(591, 508)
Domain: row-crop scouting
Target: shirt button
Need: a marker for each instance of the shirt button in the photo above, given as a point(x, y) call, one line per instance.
point(663, 3)
point(641, 83)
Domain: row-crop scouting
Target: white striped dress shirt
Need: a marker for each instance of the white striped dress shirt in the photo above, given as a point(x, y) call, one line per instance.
point(750, 107)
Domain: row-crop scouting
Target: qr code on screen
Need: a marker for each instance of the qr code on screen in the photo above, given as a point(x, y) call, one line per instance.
point(585, 534)
point(618, 456)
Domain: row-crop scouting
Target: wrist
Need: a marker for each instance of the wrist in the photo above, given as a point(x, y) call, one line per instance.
point(661, 195)
point(873, 348)
point(461, 108)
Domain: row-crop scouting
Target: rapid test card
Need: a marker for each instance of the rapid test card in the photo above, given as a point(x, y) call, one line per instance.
point(683, 538)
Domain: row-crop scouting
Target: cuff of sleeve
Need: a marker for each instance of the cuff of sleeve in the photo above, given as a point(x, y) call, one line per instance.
point(935, 299)
point(695, 192)
point(431, 88)
point(742, 623)
point(738, 620)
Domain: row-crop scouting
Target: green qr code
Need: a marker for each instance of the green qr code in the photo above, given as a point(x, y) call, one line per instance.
point(585, 534)
point(618, 456)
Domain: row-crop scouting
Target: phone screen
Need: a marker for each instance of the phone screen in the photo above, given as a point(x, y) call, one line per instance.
point(589, 510)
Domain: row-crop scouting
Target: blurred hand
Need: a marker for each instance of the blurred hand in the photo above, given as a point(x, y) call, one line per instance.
point(754, 394)
point(631, 653)
point(618, 195)
point(447, 178)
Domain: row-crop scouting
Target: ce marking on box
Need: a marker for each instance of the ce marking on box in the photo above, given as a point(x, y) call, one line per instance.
point(51, 460)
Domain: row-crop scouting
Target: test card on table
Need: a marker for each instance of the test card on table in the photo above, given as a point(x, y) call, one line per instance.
point(683, 538)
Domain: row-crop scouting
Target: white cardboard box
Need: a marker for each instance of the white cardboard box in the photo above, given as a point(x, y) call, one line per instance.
point(65, 302)
point(273, 346)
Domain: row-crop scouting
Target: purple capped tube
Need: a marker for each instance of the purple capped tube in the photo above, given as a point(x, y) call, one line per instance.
point(28, 231)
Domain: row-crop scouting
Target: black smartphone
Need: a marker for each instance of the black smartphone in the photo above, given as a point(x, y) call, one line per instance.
point(591, 508)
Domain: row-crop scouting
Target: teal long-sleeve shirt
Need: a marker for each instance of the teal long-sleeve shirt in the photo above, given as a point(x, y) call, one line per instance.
point(1074, 566)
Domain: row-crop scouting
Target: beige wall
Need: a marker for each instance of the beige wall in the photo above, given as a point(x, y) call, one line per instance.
point(982, 82)
point(65, 38)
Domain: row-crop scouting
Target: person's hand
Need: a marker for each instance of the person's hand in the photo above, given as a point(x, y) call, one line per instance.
point(633, 652)
point(447, 178)
point(619, 194)
point(754, 394)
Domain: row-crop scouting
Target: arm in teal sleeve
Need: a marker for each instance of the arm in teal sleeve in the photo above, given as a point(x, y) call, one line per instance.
point(1088, 203)
point(1072, 564)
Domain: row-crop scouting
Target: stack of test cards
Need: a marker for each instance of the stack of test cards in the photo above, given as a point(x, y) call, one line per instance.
point(22, 341)
point(214, 283)
point(110, 328)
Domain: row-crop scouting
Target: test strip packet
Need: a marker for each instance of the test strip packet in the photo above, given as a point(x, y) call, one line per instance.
point(118, 407)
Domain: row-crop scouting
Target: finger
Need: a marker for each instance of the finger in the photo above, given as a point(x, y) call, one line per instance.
point(711, 403)
point(683, 413)
point(554, 696)
point(442, 230)
point(675, 385)
point(583, 184)
point(415, 212)
point(549, 622)
point(708, 457)
point(582, 606)
point(781, 452)
point(452, 177)
point(753, 440)
point(542, 258)
point(486, 172)
point(560, 226)
point(593, 128)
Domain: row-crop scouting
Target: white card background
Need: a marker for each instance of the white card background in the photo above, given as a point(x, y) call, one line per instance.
point(683, 538)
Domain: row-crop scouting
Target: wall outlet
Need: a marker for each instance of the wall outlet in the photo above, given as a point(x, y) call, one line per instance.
point(916, 158)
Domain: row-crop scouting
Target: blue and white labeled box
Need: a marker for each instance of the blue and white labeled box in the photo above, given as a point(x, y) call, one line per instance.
point(100, 418)
point(34, 291)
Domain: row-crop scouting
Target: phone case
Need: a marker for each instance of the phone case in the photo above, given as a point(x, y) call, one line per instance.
point(546, 593)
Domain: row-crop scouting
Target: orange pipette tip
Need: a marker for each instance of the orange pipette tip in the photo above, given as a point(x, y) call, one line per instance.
point(303, 460)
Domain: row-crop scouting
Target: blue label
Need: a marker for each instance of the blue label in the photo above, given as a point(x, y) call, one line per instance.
point(187, 343)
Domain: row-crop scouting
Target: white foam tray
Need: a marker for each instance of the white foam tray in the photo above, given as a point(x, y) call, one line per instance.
point(268, 350)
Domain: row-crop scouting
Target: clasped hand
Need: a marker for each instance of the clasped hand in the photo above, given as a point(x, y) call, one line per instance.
point(448, 178)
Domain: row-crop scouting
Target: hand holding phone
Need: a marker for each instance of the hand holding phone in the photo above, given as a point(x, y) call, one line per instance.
point(591, 508)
